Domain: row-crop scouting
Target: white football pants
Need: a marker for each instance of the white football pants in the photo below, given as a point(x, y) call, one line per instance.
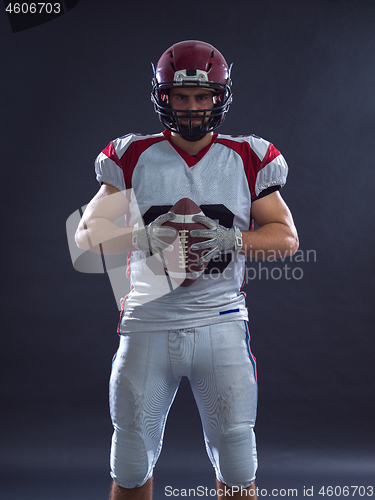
point(145, 376)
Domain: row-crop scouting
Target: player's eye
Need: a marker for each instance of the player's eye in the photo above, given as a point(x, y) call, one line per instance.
point(203, 98)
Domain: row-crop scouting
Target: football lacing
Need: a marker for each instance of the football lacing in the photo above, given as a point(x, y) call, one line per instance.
point(183, 248)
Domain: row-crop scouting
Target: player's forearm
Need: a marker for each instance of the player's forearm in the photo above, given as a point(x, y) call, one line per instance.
point(100, 235)
point(270, 241)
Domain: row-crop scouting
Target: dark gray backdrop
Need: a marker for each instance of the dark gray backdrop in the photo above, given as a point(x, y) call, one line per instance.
point(303, 76)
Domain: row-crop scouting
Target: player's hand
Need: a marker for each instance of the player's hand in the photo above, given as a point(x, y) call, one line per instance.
point(148, 238)
point(220, 239)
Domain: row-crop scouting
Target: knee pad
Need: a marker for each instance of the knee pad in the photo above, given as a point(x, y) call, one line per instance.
point(237, 456)
point(130, 466)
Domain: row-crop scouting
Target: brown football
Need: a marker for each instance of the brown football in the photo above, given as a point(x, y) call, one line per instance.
point(182, 263)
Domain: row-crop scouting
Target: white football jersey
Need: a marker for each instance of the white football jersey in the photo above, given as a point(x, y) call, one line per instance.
point(223, 179)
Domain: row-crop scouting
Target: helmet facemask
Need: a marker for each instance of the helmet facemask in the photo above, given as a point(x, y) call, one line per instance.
point(211, 118)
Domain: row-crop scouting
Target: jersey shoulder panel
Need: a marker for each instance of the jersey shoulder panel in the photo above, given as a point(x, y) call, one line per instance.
point(141, 142)
point(239, 143)
point(264, 164)
point(115, 164)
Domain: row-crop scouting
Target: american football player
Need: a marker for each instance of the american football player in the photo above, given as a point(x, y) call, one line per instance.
point(200, 331)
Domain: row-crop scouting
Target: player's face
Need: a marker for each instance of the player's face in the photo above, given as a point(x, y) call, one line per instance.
point(191, 99)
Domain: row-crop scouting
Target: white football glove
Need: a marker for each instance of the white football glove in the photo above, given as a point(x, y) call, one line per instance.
point(220, 239)
point(147, 238)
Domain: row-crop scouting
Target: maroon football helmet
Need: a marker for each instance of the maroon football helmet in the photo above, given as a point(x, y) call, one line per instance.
point(192, 64)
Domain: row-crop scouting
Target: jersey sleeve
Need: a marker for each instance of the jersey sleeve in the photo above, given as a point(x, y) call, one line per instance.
point(272, 169)
point(108, 168)
point(109, 165)
point(267, 191)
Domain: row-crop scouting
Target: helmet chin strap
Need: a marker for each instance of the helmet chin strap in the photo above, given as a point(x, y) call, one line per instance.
point(190, 132)
point(192, 136)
